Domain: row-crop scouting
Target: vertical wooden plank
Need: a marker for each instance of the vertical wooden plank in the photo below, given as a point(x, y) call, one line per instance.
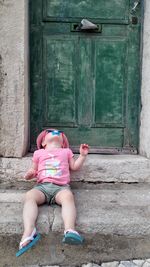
point(131, 134)
point(35, 11)
point(35, 42)
point(85, 83)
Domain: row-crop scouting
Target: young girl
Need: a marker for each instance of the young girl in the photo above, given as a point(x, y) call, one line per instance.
point(50, 165)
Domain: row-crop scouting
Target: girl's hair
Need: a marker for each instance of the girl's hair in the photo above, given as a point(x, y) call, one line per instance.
point(42, 135)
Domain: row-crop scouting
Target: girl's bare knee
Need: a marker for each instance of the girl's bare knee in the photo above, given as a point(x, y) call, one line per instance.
point(69, 196)
point(63, 196)
point(28, 196)
point(36, 196)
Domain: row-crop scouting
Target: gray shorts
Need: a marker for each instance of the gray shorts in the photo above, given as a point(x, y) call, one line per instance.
point(50, 190)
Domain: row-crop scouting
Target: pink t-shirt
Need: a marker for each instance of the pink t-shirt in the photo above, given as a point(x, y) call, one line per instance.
point(53, 166)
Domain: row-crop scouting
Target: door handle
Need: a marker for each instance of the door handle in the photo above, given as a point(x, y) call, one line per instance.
point(86, 26)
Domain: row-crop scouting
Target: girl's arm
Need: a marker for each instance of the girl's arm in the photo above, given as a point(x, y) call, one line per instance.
point(31, 173)
point(76, 164)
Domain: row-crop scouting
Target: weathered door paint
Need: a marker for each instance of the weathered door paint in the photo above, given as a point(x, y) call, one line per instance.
point(86, 83)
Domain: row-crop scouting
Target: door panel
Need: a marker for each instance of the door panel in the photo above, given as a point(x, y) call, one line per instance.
point(86, 83)
point(110, 64)
point(102, 9)
point(59, 83)
point(108, 137)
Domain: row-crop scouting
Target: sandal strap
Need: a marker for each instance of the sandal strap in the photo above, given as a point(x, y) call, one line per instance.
point(71, 231)
point(29, 238)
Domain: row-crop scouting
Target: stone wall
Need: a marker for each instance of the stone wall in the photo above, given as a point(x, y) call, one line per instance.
point(145, 88)
point(13, 77)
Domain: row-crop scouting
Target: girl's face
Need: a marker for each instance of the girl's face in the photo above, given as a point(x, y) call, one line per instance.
point(53, 136)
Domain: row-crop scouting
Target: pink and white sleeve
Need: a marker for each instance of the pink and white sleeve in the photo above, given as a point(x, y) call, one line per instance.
point(35, 158)
point(70, 154)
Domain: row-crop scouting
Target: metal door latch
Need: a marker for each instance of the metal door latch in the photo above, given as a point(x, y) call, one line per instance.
point(136, 3)
point(86, 26)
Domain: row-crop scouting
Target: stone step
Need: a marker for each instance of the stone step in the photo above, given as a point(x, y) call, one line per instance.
point(96, 169)
point(132, 263)
point(114, 220)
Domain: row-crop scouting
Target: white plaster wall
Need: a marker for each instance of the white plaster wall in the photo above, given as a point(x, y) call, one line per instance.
point(13, 77)
point(145, 88)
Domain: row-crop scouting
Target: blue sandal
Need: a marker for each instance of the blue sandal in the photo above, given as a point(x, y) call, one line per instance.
point(33, 240)
point(72, 238)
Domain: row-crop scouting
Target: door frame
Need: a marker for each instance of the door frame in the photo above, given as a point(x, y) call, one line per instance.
point(127, 150)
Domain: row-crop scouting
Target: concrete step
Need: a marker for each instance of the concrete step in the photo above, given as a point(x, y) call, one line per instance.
point(96, 169)
point(115, 221)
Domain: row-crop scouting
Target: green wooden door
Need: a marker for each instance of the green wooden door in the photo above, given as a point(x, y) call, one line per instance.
point(86, 83)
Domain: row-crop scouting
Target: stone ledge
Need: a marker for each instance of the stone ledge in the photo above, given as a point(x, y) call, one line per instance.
point(97, 168)
point(114, 221)
point(134, 263)
point(123, 211)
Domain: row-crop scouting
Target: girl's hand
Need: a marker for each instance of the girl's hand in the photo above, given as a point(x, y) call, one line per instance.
point(84, 149)
point(30, 174)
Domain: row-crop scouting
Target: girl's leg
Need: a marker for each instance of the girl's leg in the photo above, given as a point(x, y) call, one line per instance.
point(65, 198)
point(33, 199)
